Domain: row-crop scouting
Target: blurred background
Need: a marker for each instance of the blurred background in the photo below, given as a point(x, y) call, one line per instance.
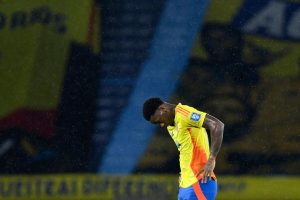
point(74, 75)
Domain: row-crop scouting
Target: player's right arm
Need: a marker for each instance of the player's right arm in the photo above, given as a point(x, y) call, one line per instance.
point(216, 128)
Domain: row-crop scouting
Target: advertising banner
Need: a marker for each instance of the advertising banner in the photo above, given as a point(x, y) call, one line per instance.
point(146, 187)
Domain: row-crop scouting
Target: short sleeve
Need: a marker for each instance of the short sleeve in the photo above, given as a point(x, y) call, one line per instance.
point(190, 116)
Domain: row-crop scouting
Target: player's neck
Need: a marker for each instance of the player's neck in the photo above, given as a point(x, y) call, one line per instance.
point(173, 107)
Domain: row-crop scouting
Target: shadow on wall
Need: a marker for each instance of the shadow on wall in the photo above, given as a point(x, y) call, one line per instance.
point(225, 84)
point(36, 141)
point(228, 84)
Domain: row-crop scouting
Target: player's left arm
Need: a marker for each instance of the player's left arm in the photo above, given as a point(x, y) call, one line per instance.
point(216, 128)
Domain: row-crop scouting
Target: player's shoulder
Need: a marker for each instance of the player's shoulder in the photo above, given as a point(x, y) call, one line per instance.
point(184, 110)
point(189, 116)
point(189, 112)
point(185, 107)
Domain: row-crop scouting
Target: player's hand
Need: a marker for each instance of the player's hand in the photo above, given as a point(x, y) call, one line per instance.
point(208, 169)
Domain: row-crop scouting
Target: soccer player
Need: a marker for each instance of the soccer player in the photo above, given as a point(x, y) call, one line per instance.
point(187, 127)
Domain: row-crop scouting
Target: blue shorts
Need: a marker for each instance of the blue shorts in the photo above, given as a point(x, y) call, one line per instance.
point(202, 191)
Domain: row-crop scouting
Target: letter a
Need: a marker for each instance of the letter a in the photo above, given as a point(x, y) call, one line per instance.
point(271, 19)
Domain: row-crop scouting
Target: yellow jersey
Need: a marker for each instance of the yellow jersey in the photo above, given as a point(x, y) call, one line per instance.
point(192, 142)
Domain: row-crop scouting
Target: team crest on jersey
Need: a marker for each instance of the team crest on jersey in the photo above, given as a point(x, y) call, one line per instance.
point(195, 117)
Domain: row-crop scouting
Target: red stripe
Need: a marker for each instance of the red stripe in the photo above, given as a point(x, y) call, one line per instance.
point(184, 112)
point(39, 122)
point(198, 191)
point(199, 157)
point(91, 25)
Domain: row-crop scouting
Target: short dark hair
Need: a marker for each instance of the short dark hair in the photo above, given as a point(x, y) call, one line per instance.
point(150, 106)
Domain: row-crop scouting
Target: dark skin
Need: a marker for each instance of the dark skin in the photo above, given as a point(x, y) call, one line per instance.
point(165, 115)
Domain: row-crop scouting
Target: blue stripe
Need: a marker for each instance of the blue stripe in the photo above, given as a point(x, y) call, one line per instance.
point(168, 56)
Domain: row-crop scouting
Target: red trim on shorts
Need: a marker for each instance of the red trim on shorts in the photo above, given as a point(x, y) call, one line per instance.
point(198, 191)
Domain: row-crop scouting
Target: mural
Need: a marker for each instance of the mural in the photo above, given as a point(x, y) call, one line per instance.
point(35, 39)
point(244, 69)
